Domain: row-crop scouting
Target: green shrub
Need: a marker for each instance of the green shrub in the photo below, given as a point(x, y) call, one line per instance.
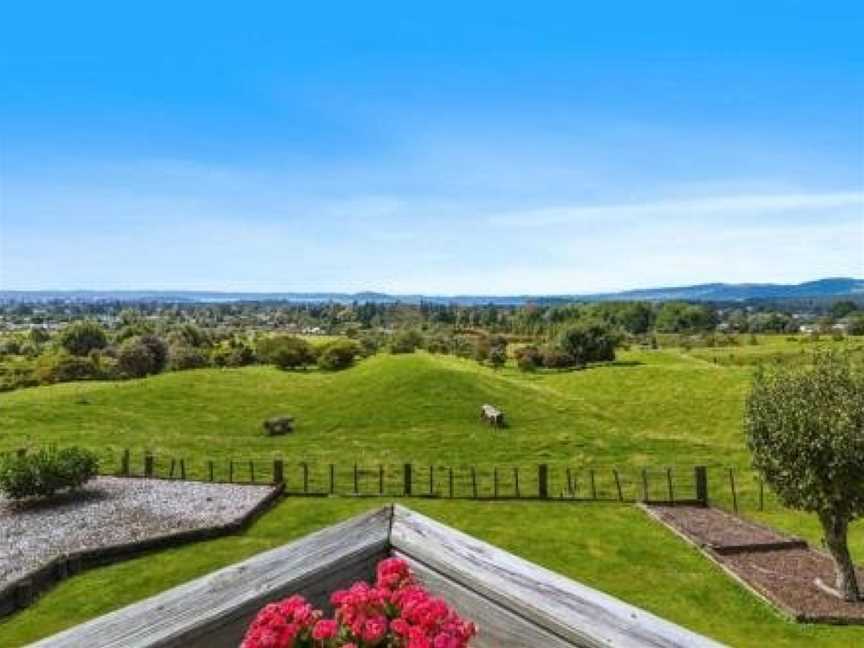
point(369, 344)
point(406, 341)
point(588, 342)
point(63, 367)
point(338, 354)
point(134, 359)
point(43, 473)
point(528, 358)
point(285, 351)
point(80, 338)
point(183, 356)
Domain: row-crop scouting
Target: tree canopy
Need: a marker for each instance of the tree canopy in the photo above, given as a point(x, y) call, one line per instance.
point(805, 429)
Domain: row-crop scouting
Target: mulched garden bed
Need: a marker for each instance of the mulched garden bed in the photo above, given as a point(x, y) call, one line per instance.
point(779, 568)
point(109, 519)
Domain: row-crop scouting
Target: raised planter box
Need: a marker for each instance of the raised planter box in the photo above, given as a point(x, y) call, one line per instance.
point(515, 603)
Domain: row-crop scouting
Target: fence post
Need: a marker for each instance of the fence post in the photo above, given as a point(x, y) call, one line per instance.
point(230, 471)
point(516, 481)
point(210, 468)
point(305, 478)
point(645, 485)
point(570, 490)
point(618, 485)
point(495, 482)
point(669, 484)
point(252, 471)
point(148, 465)
point(732, 487)
point(543, 481)
point(356, 481)
point(450, 479)
point(700, 473)
point(173, 465)
point(406, 479)
point(761, 495)
point(183, 469)
point(124, 463)
point(431, 481)
point(474, 482)
point(593, 485)
point(278, 471)
point(332, 479)
point(381, 480)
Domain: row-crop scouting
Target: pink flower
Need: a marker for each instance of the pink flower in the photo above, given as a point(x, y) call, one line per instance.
point(374, 630)
point(325, 629)
point(395, 611)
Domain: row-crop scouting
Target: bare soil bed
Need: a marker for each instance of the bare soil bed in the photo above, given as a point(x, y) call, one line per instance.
point(113, 512)
point(779, 568)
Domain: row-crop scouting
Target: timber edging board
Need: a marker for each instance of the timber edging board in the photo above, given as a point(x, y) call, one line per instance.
point(21, 592)
point(516, 603)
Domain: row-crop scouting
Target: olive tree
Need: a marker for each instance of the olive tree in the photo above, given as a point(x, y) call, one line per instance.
point(805, 428)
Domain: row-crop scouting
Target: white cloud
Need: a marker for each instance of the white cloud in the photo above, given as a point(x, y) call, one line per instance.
point(704, 206)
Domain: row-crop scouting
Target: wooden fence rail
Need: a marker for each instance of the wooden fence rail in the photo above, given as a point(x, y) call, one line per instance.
point(733, 489)
point(526, 482)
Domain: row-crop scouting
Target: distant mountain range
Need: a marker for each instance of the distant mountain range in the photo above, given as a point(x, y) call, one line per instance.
point(714, 292)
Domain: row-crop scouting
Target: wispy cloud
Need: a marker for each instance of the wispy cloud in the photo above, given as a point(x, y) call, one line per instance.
point(756, 204)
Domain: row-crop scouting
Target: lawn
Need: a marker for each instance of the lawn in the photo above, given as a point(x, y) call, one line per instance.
point(614, 548)
point(651, 408)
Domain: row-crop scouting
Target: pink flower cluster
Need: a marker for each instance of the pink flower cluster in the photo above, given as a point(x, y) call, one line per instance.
point(394, 613)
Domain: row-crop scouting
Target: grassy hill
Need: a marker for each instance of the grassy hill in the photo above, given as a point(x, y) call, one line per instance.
point(651, 408)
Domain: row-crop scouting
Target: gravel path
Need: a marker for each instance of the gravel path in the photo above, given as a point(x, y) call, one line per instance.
point(112, 511)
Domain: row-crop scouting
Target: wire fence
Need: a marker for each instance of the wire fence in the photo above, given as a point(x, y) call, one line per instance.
point(731, 488)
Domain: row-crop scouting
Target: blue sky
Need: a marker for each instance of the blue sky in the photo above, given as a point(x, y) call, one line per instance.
point(436, 147)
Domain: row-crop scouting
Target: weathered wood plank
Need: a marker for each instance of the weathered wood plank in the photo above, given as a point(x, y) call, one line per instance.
point(498, 626)
point(214, 610)
point(574, 612)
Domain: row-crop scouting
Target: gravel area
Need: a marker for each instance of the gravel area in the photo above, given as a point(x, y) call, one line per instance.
point(113, 511)
point(717, 529)
point(780, 568)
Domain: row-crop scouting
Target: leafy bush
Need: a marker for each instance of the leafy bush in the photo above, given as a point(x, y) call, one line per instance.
point(406, 341)
point(438, 344)
point(235, 353)
point(369, 344)
point(135, 359)
point(158, 351)
point(43, 473)
point(182, 357)
point(285, 351)
point(555, 358)
point(528, 358)
point(63, 367)
point(339, 354)
point(588, 342)
point(80, 338)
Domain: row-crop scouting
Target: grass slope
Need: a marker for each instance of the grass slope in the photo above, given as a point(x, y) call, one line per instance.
point(655, 407)
point(614, 548)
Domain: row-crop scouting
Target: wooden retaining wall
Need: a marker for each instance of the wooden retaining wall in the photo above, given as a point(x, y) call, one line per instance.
point(516, 604)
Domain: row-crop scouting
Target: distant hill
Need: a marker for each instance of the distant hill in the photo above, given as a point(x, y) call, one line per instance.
point(835, 287)
point(832, 287)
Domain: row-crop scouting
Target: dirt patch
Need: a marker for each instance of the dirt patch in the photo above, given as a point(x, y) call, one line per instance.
point(779, 568)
